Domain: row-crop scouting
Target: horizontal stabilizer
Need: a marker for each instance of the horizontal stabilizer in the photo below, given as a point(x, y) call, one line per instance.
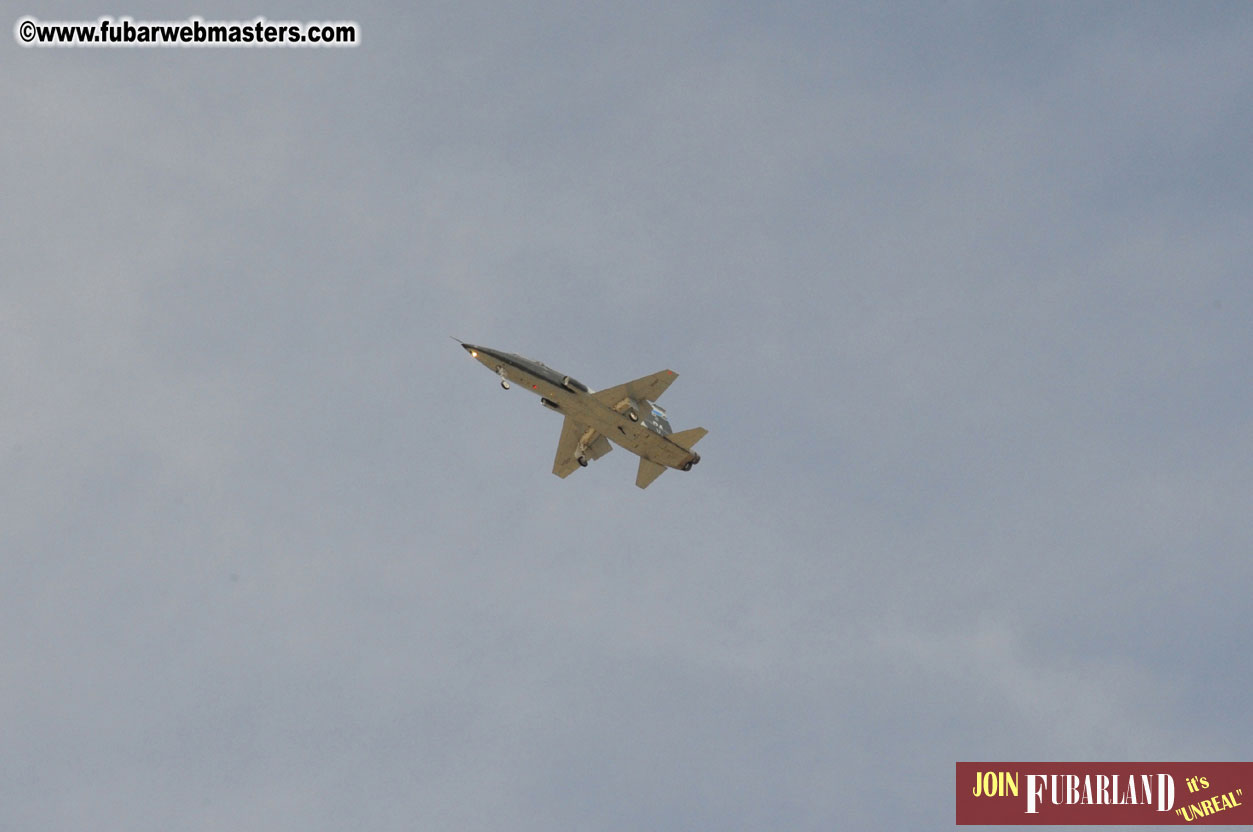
point(649, 471)
point(687, 438)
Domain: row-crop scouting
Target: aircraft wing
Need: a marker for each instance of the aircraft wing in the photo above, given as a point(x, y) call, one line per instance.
point(648, 387)
point(574, 434)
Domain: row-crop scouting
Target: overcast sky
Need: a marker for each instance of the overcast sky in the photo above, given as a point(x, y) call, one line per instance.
point(961, 292)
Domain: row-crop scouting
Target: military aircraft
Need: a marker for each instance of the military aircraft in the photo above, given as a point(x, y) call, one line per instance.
point(625, 414)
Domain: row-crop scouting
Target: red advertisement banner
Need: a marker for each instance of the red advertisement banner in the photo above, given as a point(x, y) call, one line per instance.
point(1190, 794)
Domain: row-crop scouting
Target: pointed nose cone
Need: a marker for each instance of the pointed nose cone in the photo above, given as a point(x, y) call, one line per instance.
point(487, 357)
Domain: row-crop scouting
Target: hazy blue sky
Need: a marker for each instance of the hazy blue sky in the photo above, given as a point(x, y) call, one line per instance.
point(961, 291)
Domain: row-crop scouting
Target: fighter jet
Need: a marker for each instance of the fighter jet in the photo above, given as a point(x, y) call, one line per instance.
point(626, 414)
